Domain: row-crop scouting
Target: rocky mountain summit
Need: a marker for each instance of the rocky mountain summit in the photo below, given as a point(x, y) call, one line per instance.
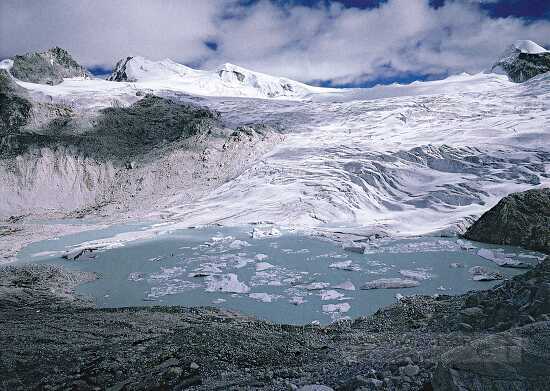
point(523, 61)
point(520, 219)
point(48, 67)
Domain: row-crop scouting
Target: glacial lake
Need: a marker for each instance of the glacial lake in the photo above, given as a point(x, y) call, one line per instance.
point(288, 278)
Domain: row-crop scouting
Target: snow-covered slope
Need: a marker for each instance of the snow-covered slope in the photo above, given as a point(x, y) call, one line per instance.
point(526, 46)
point(410, 159)
point(226, 80)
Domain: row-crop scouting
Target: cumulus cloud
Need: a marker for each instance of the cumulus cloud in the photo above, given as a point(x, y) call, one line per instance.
point(322, 42)
point(97, 32)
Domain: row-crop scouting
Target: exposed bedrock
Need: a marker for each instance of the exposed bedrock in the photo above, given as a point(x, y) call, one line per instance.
point(520, 219)
point(49, 67)
point(125, 156)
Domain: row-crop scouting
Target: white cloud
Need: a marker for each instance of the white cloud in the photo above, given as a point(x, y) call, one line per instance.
point(306, 43)
point(98, 32)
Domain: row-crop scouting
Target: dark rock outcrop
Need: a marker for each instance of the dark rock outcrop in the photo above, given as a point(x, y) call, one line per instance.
point(119, 73)
point(520, 64)
point(49, 67)
point(15, 108)
point(518, 359)
point(520, 219)
point(119, 133)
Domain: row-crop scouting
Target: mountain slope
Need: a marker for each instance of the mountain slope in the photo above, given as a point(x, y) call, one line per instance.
point(523, 61)
point(226, 80)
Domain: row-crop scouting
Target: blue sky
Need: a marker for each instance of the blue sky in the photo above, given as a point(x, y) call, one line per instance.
point(338, 43)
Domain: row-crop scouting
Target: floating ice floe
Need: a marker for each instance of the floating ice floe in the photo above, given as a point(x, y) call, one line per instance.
point(228, 283)
point(465, 245)
point(238, 244)
point(171, 288)
point(501, 259)
point(221, 238)
point(264, 297)
point(219, 301)
point(330, 295)
point(346, 286)
point(260, 257)
point(336, 308)
point(390, 283)
point(261, 266)
point(456, 265)
point(260, 233)
point(345, 265)
point(417, 275)
point(210, 268)
point(167, 273)
point(136, 276)
point(315, 286)
point(297, 300)
point(479, 273)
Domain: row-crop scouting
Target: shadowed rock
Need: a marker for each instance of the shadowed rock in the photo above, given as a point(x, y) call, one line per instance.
point(49, 67)
point(520, 219)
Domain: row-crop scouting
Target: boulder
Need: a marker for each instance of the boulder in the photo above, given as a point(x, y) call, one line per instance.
point(515, 360)
point(520, 219)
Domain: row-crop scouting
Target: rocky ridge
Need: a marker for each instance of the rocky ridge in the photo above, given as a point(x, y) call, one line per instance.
point(520, 219)
point(523, 61)
point(48, 67)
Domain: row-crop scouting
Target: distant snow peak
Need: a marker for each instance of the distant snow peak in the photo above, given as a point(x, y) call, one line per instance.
point(226, 80)
point(133, 69)
point(526, 46)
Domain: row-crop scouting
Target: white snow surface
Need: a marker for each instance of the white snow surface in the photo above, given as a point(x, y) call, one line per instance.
point(409, 159)
point(227, 80)
point(526, 46)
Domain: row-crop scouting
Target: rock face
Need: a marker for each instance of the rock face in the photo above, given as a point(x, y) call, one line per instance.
point(524, 60)
point(15, 109)
point(515, 360)
point(521, 219)
point(119, 73)
point(49, 67)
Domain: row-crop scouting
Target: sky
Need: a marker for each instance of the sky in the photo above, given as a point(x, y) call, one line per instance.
point(330, 43)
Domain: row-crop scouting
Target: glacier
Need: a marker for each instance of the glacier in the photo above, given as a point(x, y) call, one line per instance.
point(427, 157)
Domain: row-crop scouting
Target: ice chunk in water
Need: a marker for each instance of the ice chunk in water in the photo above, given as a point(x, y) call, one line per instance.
point(417, 275)
point(390, 283)
point(346, 286)
point(345, 265)
point(330, 295)
point(261, 266)
point(226, 283)
point(336, 308)
point(260, 233)
point(264, 297)
point(238, 244)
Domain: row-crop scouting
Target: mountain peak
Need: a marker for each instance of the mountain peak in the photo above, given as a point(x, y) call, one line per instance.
point(527, 46)
point(523, 60)
point(47, 67)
